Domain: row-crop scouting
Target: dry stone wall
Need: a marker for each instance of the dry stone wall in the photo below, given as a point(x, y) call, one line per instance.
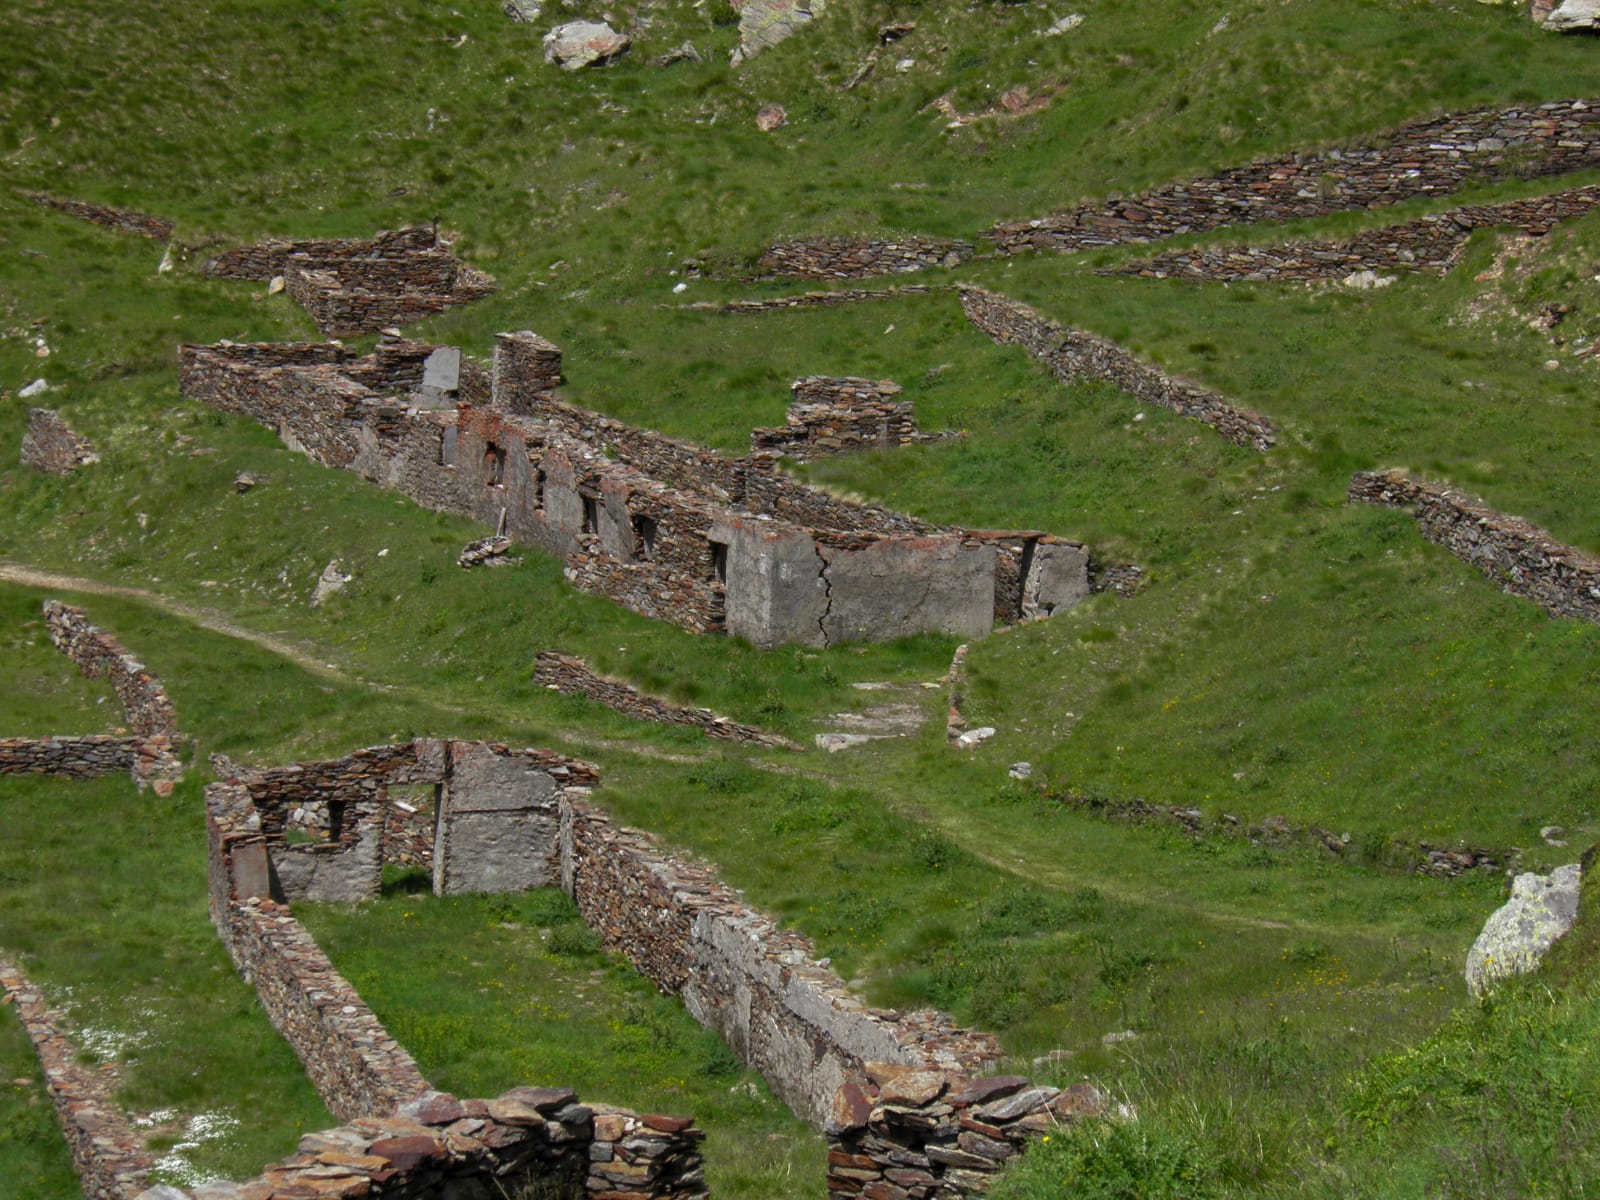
point(1430, 157)
point(573, 677)
point(50, 446)
point(784, 1013)
point(110, 1157)
point(123, 220)
point(150, 754)
point(665, 527)
point(1522, 558)
point(101, 656)
point(1428, 243)
point(1071, 354)
point(858, 258)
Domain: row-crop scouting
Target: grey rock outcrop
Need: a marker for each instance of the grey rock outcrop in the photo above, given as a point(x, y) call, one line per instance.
point(1516, 935)
point(584, 44)
point(1574, 16)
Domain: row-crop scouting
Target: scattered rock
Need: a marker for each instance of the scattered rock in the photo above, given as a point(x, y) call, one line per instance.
point(835, 742)
point(37, 388)
point(1516, 935)
point(1021, 770)
point(524, 11)
point(1366, 281)
point(332, 580)
point(583, 44)
point(1052, 1057)
point(1112, 1039)
point(244, 481)
point(1069, 22)
point(976, 737)
point(487, 552)
point(771, 116)
point(895, 31)
point(275, 285)
point(681, 53)
point(1553, 835)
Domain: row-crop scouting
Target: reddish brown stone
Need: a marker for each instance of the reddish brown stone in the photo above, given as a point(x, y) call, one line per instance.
point(666, 1124)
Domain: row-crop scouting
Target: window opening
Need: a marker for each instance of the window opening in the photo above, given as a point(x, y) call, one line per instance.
point(644, 530)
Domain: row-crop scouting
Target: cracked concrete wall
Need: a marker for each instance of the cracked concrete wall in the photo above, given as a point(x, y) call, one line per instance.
point(902, 586)
point(1058, 577)
point(775, 592)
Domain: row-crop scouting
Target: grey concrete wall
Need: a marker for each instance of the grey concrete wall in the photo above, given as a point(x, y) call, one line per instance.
point(499, 824)
point(903, 586)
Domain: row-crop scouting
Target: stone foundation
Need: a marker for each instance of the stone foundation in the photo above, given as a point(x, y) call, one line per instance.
point(573, 677)
point(828, 299)
point(1429, 157)
point(1521, 558)
point(1072, 354)
point(50, 446)
point(858, 258)
point(1428, 243)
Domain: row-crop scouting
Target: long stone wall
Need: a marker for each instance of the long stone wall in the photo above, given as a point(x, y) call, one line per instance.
point(49, 445)
point(667, 528)
point(858, 258)
point(1523, 559)
point(1071, 354)
point(1428, 243)
point(110, 1157)
point(573, 677)
point(787, 1015)
point(1429, 157)
point(121, 219)
point(87, 757)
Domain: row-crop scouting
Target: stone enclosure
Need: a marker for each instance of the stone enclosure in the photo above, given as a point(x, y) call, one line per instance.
point(664, 527)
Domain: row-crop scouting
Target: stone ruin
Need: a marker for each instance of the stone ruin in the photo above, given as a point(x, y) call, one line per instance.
point(832, 415)
point(664, 527)
point(149, 753)
point(352, 286)
point(51, 446)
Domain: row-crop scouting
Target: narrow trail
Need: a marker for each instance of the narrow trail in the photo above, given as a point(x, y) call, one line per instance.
point(206, 618)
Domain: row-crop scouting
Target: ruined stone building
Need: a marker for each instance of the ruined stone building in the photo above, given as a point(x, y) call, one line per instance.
point(665, 527)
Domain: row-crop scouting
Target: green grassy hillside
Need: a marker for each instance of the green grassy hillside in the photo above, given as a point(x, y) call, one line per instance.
point(1292, 657)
